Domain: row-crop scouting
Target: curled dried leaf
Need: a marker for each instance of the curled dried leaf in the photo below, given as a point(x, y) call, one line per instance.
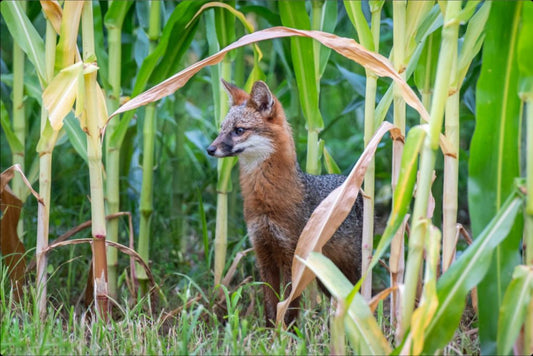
point(344, 46)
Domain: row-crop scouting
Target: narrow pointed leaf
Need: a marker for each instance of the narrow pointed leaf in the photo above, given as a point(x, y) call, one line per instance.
point(25, 35)
point(331, 166)
point(473, 40)
point(404, 189)
point(76, 136)
point(355, 13)
point(14, 143)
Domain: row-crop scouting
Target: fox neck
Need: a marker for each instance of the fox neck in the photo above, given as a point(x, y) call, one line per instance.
point(272, 186)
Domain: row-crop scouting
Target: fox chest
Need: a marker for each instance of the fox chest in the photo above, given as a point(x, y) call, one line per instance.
point(271, 234)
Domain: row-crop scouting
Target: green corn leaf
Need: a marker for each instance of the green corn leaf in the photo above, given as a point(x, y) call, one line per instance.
point(178, 22)
point(76, 136)
point(327, 24)
point(466, 273)
point(331, 166)
point(431, 22)
point(116, 13)
point(101, 51)
point(473, 39)
point(494, 157)
point(293, 14)
point(25, 35)
point(416, 12)
point(263, 12)
point(355, 13)
point(525, 53)
point(369, 338)
point(14, 143)
point(47, 140)
point(404, 189)
point(426, 70)
point(514, 308)
point(225, 25)
point(467, 12)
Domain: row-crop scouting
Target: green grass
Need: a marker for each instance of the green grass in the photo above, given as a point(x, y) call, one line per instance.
point(194, 326)
point(195, 329)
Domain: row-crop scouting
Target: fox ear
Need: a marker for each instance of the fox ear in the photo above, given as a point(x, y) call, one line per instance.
point(261, 98)
point(236, 95)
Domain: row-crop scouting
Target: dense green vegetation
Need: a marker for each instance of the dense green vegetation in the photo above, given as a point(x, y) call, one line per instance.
point(186, 208)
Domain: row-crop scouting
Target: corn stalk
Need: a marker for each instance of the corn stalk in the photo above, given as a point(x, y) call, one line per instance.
point(149, 129)
point(528, 229)
point(368, 37)
point(524, 53)
point(225, 31)
point(112, 152)
point(94, 124)
point(397, 262)
point(45, 178)
point(303, 53)
point(19, 122)
point(473, 40)
point(418, 229)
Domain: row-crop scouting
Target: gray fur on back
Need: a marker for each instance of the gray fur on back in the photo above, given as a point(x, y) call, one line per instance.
point(344, 248)
point(317, 188)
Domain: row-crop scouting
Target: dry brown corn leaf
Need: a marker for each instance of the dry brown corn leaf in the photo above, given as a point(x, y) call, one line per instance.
point(344, 46)
point(327, 217)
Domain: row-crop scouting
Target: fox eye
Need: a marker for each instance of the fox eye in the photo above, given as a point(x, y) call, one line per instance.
point(238, 131)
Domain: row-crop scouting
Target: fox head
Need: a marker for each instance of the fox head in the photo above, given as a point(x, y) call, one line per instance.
point(254, 127)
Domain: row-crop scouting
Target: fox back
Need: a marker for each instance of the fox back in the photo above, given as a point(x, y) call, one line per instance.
point(278, 197)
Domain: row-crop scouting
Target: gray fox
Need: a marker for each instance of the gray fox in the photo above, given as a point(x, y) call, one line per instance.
point(278, 197)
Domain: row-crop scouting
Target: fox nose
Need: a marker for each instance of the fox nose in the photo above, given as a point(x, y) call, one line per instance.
point(211, 150)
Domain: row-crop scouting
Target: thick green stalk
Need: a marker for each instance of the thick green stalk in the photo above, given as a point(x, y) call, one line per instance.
point(146, 204)
point(316, 19)
point(431, 143)
point(451, 178)
point(528, 232)
point(19, 122)
point(397, 262)
point(112, 152)
point(45, 179)
point(225, 166)
point(369, 187)
point(294, 14)
point(94, 156)
point(146, 207)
